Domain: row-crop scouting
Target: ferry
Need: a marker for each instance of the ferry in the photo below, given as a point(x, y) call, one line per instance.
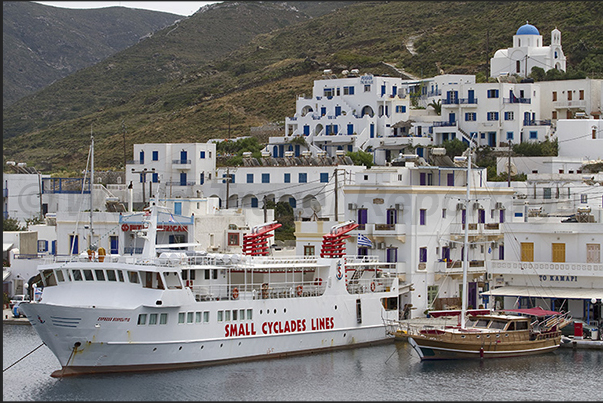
point(173, 310)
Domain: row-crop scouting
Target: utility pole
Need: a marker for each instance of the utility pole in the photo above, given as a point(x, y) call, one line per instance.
point(227, 185)
point(336, 198)
point(124, 133)
point(509, 166)
point(144, 172)
point(265, 210)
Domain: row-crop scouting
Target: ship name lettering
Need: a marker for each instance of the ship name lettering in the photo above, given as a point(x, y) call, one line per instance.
point(112, 319)
point(242, 329)
point(322, 323)
point(288, 326)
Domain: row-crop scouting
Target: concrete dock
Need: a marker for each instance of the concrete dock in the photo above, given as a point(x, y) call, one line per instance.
point(9, 319)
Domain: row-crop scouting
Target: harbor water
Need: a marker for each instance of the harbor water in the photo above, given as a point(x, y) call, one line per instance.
point(385, 372)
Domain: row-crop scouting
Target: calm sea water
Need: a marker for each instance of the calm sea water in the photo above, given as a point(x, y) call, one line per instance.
point(385, 372)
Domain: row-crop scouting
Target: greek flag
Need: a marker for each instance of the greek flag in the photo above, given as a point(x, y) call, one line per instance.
point(364, 241)
point(171, 218)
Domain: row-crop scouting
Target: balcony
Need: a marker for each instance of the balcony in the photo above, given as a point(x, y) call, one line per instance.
point(576, 104)
point(178, 183)
point(573, 270)
point(444, 124)
point(455, 269)
point(491, 231)
point(181, 164)
point(516, 100)
point(134, 162)
point(383, 230)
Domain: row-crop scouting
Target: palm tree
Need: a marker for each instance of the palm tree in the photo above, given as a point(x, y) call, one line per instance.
point(437, 106)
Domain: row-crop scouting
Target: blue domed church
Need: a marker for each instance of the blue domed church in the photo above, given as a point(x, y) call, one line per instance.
point(528, 51)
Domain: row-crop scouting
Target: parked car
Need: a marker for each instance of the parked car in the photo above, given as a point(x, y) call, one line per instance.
point(18, 298)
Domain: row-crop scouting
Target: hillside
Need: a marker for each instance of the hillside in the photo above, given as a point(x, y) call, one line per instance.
point(257, 83)
point(42, 44)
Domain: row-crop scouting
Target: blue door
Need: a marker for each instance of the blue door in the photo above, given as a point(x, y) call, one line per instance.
point(183, 156)
point(114, 245)
point(471, 96)
point(73, 244)
point(183, 179)
point(372, 135)
point(492, 139)
point(178, 208)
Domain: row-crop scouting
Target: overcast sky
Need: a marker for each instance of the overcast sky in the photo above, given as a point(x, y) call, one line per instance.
point(175, 7)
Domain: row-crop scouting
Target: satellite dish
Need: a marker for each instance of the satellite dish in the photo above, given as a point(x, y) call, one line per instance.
point(315, 205)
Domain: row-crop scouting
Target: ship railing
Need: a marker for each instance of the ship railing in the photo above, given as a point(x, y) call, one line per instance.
point(251, 291)
point(370, 285)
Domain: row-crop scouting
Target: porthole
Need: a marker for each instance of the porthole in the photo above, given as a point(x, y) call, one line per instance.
point(488, 336)
point(221, 344)
point(478, 336)
point(284, 310)
point(239, 343)
point(463, 336)
point(180, 348)
point(335, 307)
point(344, 335)
point(274, 310)
point(201, 348)
point(155, 349)
point(260, 311)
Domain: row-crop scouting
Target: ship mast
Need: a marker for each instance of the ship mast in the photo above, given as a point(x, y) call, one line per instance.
point(90, 245)
point(466, 241)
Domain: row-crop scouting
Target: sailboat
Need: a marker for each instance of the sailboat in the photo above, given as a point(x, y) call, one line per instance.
point(489, 334)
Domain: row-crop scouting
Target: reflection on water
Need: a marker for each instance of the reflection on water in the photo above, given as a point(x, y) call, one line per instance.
point(386, 372)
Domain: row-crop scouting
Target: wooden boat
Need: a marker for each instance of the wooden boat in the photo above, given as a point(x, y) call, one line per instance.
point(490, 335)
point(495, 335)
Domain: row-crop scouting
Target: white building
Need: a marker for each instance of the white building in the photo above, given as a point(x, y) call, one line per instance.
point(580, 138)
point(551, 263)
point(414, 217)
point(528, 51)
point(179, 168)
point(22, 193)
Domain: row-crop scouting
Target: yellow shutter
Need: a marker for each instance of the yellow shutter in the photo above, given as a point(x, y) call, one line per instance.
point(559, 252)
point(527, 251)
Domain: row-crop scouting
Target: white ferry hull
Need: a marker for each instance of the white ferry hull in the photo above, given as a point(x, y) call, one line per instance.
point(96, 340)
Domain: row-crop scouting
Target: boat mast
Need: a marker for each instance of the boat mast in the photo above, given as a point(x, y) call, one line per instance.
point(466, 242)
point(90, 246)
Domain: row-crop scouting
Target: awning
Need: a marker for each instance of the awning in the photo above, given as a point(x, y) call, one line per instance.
point(7, 246)
point(546, 292)
point(5, 274)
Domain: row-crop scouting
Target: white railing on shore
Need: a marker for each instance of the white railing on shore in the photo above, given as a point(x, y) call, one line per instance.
point(511, 267)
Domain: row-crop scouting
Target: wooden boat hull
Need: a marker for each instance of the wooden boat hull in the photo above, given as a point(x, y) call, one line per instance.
point(435, 348)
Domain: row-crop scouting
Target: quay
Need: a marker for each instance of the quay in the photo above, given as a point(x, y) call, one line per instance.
point(9, 319)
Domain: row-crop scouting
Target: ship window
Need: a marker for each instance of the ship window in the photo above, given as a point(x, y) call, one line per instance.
point(48, 278)
point(498, 324)
point(227, 316)
point(189, 317)
point(153, 319)
point(133, 277)
point(242, 314)
point(111, 275)
point(521, 325)
point(88, 275)
point(163, 319)
point(511, 326)
point(205, 316)
point(60, 275)
point(220, 316)
point(180, 317)
point(100, 275)
point(482, 323)
point(77, 275)
point(120, 275)
point(197, 317)
point(142, 319)
point(249, 314)
point(234, 314)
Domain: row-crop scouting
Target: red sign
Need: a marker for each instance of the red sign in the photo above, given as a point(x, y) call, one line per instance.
point(161, 227)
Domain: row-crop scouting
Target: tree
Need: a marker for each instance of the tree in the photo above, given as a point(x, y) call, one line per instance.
point(546, 148)
point(12, 224)
point(537, 73)
point(454, 147)
point(437, 106)
point(361, 158)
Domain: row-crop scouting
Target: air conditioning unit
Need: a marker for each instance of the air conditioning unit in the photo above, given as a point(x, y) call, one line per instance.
point(460, 206)
point(381, 245)
point(399, 207)
point(499, 205)
point(352, 206)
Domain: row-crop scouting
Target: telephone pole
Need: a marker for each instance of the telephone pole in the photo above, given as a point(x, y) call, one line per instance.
point(509, 166)
point(336, 198)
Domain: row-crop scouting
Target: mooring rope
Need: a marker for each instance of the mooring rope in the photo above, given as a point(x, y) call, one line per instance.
point(22, 357)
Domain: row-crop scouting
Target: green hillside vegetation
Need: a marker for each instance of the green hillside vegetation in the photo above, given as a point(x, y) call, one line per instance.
point(258, 83)
point(42, 44)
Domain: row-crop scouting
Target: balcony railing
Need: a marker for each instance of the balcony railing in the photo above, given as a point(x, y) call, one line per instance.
point(548, 268)
point(545, 122)
point(178, 183)
point(516, 100)
point(444, 124)
point(181, 162)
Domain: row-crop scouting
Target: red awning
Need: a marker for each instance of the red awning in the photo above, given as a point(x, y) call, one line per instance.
point(457, 312)
point(538, 311)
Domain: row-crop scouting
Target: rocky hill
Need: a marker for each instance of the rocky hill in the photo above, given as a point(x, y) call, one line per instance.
point(239, 65)
point(42, 44)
